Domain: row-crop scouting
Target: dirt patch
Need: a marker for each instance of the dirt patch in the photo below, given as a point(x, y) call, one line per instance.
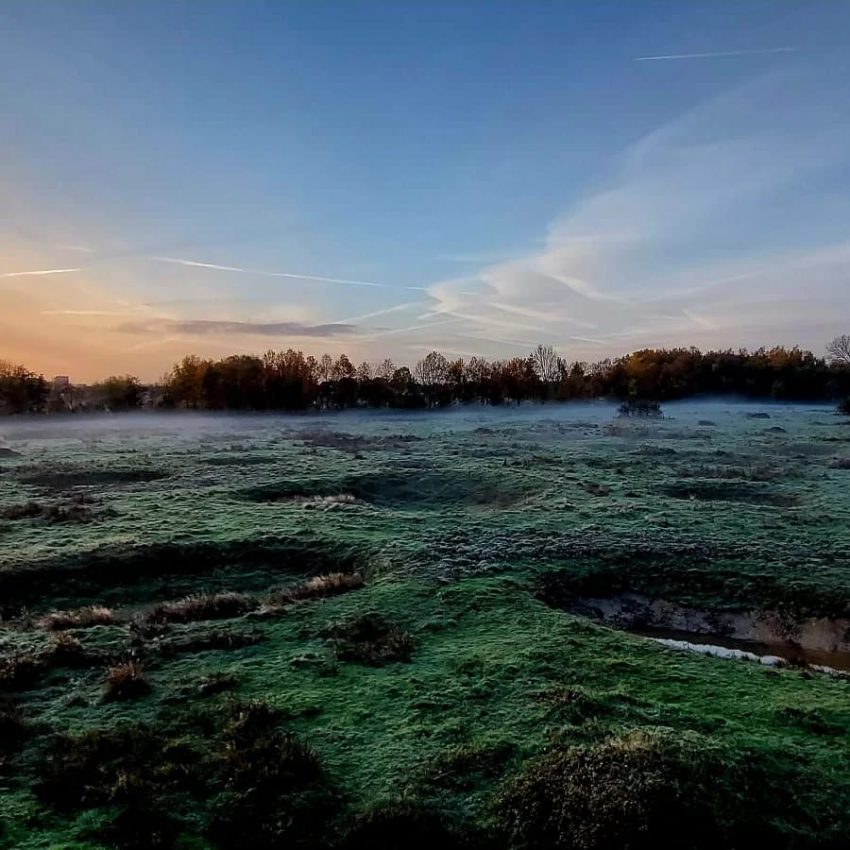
point(719, 490)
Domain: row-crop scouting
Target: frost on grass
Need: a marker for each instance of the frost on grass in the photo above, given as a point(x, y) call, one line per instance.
point(80, 618)
point(211, 606)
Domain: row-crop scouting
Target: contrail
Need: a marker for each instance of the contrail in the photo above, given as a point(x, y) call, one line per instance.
point(290, 275)
point(215, 267)
point(384, 312)
point(38, 272)
point(716, 54)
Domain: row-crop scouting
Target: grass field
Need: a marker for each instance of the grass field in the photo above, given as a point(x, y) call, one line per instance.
point(356, 629)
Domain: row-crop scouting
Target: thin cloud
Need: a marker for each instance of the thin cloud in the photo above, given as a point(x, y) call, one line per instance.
point(204, 327)
point(260, 273)
point(84, 312)
point(38, 272)
point(385, 312)
point(413, 328)
point(288, 275)
point(714, 54)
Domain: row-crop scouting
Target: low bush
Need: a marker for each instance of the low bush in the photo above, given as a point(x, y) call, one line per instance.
point(65, 650)
point(276, 794)
point(26, 510)
point(331, 584)
point(73, 512)
point(125, 681)
point(249, 785)
point(211, 606)
point(369, 639)
point(640, 409)
point(80, 618)
point(20, 671)
point(653, 791)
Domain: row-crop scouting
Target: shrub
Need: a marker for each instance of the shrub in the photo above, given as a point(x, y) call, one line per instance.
point(74, 512)
point(369, 639)
point(125, 681)
point(640, 408)
point(276, 794)
point(65, 651)
point(331, 584)
point(20, 671)
point(212, 606)
point(136, 770)
point(81, 618)
point(653, 791)
point(251, 785)
point(27, 510)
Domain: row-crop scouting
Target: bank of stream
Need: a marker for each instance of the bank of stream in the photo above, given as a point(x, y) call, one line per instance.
point(772, 638)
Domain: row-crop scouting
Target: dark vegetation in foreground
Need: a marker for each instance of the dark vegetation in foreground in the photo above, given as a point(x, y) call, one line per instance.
point(287, 380)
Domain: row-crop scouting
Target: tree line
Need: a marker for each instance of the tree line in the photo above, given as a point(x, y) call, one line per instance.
point(289, 380)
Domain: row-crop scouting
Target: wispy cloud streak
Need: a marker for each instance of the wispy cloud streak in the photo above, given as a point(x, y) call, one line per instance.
point(200, 327)
point(37, 272)
point(261, 273)
point(716, 54)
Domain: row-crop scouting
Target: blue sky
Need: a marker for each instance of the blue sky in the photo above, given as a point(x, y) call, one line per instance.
point(471, 176)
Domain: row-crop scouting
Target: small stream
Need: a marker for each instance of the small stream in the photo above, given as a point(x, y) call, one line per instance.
point(780, 655)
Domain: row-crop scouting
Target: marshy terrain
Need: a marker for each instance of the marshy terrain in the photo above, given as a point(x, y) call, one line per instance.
point(476, 627)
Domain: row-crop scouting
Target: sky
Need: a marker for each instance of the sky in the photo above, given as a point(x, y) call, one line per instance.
point(387, 178)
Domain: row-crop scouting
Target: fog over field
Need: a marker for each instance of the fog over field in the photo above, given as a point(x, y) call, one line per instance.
point(423, 605)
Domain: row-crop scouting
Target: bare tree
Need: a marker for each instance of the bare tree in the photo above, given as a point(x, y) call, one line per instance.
point(433, 369)
point(364, 371)
point(545, 362)
point(839, 350)
point(385, 370)
point(326, 364)
point(342, 368)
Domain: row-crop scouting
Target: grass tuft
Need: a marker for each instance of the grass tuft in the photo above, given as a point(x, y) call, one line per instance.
point(80, 618)
point(369, 639)
point(125, 681)
point(211, 606)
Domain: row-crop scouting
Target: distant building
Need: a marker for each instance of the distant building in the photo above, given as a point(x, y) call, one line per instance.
point(61, 382)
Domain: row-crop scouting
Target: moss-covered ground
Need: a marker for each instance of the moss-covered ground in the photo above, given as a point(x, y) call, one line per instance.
point(431, 688)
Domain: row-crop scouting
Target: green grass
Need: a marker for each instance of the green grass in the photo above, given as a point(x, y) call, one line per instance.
point(495, 678)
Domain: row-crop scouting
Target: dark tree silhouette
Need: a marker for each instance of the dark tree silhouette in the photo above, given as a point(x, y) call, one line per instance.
point(839, 350)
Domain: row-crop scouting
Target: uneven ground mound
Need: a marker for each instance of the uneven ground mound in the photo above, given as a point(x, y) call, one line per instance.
point(426, 490)
point(65, 478)
point(650, 791)
point(115, 575)
point(728, 491)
